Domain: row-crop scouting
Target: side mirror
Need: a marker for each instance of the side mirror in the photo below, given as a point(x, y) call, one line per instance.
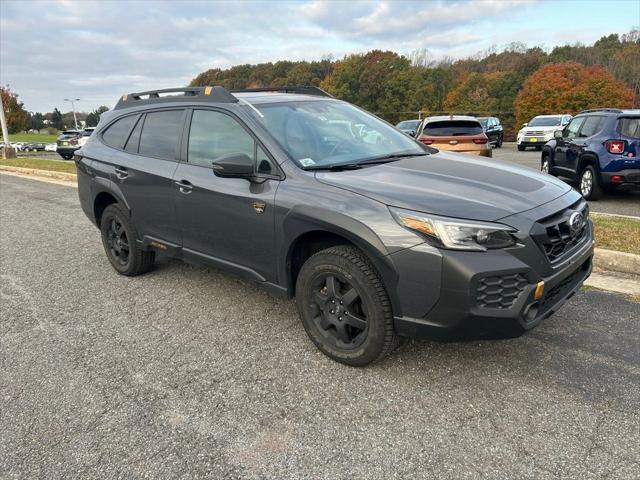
point(557, 134)
point(234, 165)
point(412, 133)
point(524, 125)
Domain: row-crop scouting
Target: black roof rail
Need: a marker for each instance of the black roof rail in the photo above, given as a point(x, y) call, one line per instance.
point(612, 110)
point(204, 94)
point(301, 90)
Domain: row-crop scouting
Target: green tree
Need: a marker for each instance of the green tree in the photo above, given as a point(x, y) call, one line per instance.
point(93, 118)
point(56, 119)
point(14, 111)
point(36, 121)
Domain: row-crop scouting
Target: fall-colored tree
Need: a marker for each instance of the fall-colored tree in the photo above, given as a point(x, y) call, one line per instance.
point(14, 111)
point(568, 88)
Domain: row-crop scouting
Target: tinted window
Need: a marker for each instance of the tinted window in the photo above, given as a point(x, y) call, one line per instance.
point(117, 133)
point(629, 127)
point(591, 126)
point(161, 134)
point(134, 138)
point(446, 128)
point(214, 134)
point(571, 131)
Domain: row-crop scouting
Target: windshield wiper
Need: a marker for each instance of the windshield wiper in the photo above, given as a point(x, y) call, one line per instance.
point(336, 167)
point(390, 158)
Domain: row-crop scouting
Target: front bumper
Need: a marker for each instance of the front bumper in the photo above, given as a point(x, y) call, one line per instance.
point(494, 286)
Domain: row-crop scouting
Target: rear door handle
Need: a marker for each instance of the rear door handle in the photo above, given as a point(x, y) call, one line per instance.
point(185, 186)
point(121, 172)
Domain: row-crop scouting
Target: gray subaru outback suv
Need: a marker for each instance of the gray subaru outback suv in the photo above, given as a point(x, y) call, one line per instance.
point(377, 236)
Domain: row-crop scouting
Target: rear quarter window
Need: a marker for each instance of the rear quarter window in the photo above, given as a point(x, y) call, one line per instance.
point(117, 133)
point(451, 128)
point(629, 127)
point(591, 126)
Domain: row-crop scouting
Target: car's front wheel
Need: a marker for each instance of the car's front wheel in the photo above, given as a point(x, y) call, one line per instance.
point(344, 306)
point(499, 142)
point(545, 167)
point(119, 241)
point(521, 148)
point(590, 187)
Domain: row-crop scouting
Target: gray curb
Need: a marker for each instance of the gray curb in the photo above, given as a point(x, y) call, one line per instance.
point(69, 177)
point(616, 261)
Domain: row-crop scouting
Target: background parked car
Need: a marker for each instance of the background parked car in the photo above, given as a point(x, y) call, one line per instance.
point(67, 143)
point(493, 130)
point(84, 135)
point(50, 147)
point(457, 133)
point(600, 149)
point(410, 127)
point(34, 147)
point(540, 130)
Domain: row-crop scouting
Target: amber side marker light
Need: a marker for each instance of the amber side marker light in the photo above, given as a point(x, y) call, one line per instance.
point(124, 98)
point(539, 291)
point(207, 90)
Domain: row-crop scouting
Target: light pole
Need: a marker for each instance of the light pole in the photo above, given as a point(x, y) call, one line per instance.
point(73, 107)
point(8, 151)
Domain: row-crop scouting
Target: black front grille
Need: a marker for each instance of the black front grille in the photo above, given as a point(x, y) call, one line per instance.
point(555, 234)
point(500, 291)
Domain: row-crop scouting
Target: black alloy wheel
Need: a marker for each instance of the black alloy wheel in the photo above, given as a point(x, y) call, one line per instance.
point(340, 313)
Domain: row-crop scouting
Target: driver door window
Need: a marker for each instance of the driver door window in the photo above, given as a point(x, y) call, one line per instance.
point(572, 129)
point(215, 134)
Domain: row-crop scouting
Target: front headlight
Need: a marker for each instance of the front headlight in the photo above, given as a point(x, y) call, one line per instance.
point(454, 233)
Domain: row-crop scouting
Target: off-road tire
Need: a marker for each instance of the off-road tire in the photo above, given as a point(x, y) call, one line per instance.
point(349, 263)
point(138, 261)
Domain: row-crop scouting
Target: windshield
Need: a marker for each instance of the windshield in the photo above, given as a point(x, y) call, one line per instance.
point(408, 124)
point(322, 133)
point(452, 128)
point(545, 122)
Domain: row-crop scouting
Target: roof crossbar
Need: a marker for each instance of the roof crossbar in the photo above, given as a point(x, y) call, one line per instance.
point(205, 94)
point(210, 94)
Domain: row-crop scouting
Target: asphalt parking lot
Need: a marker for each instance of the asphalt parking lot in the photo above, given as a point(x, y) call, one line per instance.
point(620, 203)
point(186, 372)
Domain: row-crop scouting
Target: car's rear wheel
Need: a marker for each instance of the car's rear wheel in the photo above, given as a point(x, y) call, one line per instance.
point(119, 241)
point(589, 185)
point(521, 148)
point(66, 156)
point(344, 306)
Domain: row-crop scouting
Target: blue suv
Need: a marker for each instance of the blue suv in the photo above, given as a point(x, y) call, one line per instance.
point(599, 149)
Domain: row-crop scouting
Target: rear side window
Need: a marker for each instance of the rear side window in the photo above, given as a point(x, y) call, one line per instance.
point(629, 127)
point(161, 134)
point(118, 131)
point(449, 128)
point(591, 126)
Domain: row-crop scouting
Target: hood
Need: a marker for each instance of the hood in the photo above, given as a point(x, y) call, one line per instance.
point(452, 185)
point(542, 129)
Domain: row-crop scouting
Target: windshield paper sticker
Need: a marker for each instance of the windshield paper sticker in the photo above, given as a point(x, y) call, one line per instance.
point(306, 162)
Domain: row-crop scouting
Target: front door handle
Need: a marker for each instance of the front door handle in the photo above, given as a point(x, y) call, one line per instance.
point(122, 173)
point(185, 186)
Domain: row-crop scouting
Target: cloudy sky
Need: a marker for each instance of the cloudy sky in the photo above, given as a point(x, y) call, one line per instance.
point(97, 51)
